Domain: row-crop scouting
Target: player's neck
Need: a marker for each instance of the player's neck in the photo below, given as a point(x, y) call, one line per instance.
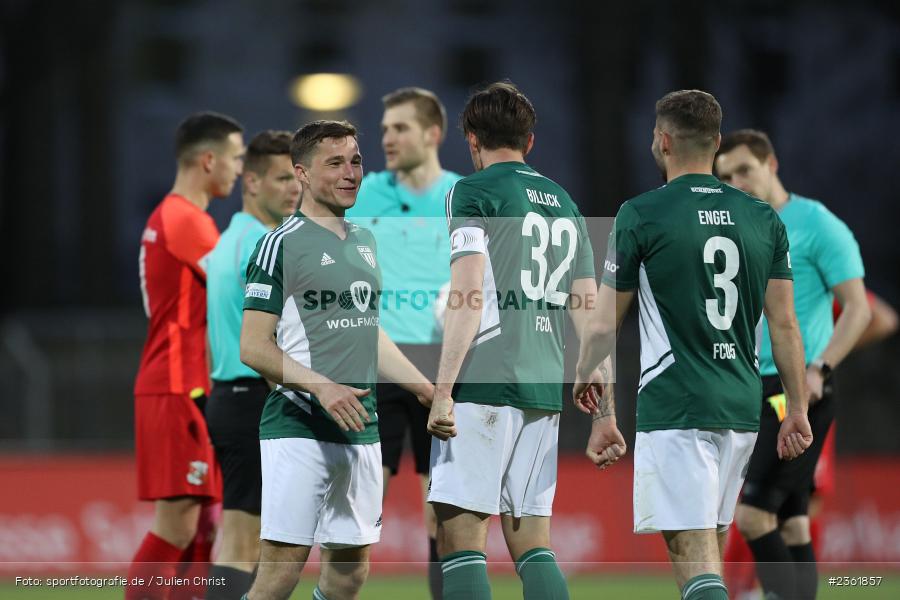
point(188, 187)
point(500, 155)
point(676, 170)
point(422, 176)
point(324, 216)
point(260, 215)
point(779, 196)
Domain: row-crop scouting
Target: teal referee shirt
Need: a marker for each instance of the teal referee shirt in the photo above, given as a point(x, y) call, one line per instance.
point(413, 249)
point(823, 254)
point(226, 277)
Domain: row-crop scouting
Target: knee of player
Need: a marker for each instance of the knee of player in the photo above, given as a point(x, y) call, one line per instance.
point(344, 582)
point(754, 522)
point(795, 531)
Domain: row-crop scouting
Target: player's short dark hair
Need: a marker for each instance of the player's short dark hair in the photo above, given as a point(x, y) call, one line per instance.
point(756, 141)
point(305, 139)
point(202, 129)
point(694, 116)
point(429, 110)
point(500, 116)
point(263, 147)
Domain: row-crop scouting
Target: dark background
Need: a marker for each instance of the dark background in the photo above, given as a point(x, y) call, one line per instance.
point(91, 92)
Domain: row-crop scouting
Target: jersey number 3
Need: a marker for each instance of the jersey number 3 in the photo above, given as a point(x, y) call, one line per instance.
point(722, 280)
point(547, 234)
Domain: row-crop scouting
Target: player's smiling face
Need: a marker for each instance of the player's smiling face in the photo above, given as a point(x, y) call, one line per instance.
point(403, 139)
point(742, 169)
point(334, 173)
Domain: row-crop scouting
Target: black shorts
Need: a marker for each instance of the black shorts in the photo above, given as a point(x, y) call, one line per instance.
point(399, 411)
point(780, 486)
point(233, 412)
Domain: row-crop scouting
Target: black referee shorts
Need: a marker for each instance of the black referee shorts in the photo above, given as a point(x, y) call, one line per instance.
point(783, 487)
point(399, 411)
point(233, 412)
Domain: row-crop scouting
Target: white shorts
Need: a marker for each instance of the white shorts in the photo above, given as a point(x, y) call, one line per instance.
point(502, 461)
point(320, 492)
point(688, 478)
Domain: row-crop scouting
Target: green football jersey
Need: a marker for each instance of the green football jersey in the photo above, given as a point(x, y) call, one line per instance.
point(325, 292)
point(700, 253)
point(535, 244)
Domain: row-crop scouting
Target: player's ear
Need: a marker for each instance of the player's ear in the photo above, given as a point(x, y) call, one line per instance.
point(207, 160)
point(718, 141)
point(433, 135)
point(529, 144)
point(251, 182)
point(301, 174)
point(772, 163)
point(473, 142)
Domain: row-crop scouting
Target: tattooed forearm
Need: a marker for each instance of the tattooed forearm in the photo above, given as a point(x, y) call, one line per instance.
point(606, 406)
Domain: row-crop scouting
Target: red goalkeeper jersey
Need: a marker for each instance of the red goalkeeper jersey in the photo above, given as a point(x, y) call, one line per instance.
point(174, 246)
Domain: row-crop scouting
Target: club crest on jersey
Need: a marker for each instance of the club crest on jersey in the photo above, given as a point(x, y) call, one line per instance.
point(197, 470)
point(361, 293)
point(367, 254)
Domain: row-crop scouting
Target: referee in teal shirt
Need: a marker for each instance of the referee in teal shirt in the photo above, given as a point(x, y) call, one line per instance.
point(270, 192)
point(404, 207)
point(774, 511)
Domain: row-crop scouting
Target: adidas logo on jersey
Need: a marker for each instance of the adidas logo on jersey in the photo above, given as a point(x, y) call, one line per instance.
point(327, 260)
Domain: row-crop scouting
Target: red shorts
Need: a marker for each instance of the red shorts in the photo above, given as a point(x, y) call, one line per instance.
point(173, 453)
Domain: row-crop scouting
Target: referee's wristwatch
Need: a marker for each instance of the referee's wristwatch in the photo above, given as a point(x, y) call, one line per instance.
point(823, 367)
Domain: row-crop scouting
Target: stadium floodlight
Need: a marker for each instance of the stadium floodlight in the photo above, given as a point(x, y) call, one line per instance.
point(325, 91)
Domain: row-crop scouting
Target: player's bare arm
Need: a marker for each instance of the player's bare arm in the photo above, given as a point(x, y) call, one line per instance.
point(855, 317)
point(260, 352)
point(394, 365)
point(795, 435)
point(581, 300)
point(883, 325)
point(460, 326)
point(598, 336)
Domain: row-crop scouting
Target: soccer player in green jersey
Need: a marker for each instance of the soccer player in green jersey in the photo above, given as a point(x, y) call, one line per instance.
point(520, 260)
point(270, 193)
point(774, 512)
point(312, 326)
point(706, 261)
point(404, 207)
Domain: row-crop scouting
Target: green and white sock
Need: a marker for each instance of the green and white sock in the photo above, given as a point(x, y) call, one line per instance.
point(465, 576)
point(318, 595)
point(540, 575)
point(705, 587)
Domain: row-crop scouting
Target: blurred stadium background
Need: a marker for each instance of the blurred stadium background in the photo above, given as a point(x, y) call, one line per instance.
point(91, 92)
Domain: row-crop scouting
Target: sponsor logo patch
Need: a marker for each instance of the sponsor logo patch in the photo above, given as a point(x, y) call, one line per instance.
point(258, 290)
point(197, 470)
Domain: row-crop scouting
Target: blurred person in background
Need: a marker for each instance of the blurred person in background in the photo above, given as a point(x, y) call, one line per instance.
point(270, 193)
point(740, 572)
point(176, 463)
point(404, 207)
point(773, 515)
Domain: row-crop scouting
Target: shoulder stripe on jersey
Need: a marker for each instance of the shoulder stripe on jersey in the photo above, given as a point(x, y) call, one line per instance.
point(273, 255)
point(269, 250)
point(263, 256)
point(448, 203)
